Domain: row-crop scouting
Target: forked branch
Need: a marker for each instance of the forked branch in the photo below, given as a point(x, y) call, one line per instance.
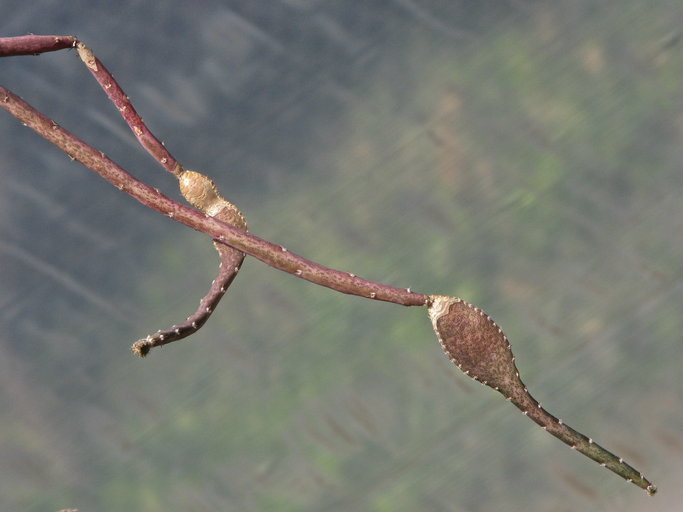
point(470, 338)
point(274, 255)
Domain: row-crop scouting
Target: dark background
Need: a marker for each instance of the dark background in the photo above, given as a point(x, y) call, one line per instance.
point(523, 155)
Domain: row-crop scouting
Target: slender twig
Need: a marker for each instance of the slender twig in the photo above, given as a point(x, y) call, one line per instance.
point(274, 255)
point(125, 107)
point(33, 45)
point(207, 305)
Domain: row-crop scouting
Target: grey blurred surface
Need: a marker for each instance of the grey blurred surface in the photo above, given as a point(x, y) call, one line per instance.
point(523, 155)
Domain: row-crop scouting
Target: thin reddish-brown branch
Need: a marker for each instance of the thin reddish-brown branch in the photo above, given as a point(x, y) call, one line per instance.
point(125, 107)
point(33, 45)
point(274, 255)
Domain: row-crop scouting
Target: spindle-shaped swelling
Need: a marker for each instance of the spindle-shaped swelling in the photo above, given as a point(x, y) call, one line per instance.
point(203, 194)
point(473, 341)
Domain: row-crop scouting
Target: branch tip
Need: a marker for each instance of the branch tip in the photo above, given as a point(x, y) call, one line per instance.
point(142, 347)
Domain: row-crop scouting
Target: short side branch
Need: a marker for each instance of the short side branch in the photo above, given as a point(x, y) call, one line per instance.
point(229, 266)
point(202, 193)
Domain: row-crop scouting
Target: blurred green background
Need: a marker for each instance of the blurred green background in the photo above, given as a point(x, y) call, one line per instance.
point(524, 155)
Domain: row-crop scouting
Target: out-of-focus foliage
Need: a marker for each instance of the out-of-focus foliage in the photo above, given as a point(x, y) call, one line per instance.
point(525, 157)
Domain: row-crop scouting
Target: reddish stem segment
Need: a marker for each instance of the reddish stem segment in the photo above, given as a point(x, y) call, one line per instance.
point(119, 98)
point(271, 254)
point(229, 266)
point(33, 45)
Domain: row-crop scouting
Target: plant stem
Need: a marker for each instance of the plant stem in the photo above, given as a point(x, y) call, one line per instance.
point(119, 98)
point(274, 255)
point(33, 45)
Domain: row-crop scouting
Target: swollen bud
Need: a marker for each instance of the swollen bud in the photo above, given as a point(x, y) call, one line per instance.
point(473, 341)
point(202, 193)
